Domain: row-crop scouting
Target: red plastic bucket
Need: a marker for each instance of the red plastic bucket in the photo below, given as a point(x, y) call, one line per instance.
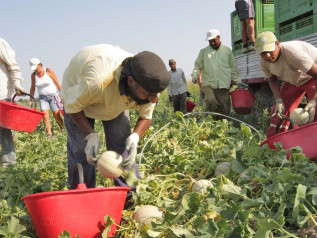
point(78, 211)
point(242, 101)
point(304, 137)
point(190, 106)
point(19, 118)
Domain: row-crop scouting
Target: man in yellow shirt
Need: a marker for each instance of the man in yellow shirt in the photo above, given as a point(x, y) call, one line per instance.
point(101, 83)
point(218, 67)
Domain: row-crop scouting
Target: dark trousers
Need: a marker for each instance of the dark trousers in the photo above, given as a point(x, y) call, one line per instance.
point(179, 102)
point(116, 132)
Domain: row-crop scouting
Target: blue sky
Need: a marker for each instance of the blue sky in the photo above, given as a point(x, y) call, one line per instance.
point(54, 31)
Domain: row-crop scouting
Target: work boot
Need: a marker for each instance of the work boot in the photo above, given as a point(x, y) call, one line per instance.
point(252, 47)
point(245, 49)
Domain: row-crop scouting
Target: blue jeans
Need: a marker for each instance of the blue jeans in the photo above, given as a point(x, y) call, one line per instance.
point(6, 140)
point(116, 131)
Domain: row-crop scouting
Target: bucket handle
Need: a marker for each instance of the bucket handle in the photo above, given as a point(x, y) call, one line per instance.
point(291, 126)
point(26, 94)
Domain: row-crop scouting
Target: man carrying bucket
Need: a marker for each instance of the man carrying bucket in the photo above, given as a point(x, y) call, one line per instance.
point(218, 67)
point(10, 83)
point(293, 62)
point(103, 82)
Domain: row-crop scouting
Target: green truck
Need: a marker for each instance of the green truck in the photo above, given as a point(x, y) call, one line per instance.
point(290, 20)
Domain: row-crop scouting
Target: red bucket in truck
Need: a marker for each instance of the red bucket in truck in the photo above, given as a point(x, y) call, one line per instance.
point(242, 101)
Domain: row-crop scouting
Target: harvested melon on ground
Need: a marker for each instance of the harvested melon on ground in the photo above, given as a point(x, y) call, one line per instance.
point(147, 213)
point(201, 186)
point(222, 168)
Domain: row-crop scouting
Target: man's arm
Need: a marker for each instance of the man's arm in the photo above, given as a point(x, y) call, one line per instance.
point(82, 122)
point(141, 126)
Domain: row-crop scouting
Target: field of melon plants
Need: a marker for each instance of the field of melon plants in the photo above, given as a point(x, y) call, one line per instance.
point(205, 178)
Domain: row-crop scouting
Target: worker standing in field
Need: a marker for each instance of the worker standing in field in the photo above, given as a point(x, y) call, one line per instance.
point(218, 68)
point(177, 89)
point(48, 86)
point(293, 62)
point(10, 83)
point(103, 82)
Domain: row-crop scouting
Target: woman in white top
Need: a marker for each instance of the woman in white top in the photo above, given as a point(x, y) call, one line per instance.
point(48, 86)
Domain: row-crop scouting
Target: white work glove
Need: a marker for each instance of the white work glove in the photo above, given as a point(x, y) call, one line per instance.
point(194, 79)
point(131, 147)
point(18, 89)
point(92, 148)
point(242, 84)
point(310, 108)
point(279, 108)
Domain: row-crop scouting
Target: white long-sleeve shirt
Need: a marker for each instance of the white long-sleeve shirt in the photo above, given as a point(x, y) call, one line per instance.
point(9, 71)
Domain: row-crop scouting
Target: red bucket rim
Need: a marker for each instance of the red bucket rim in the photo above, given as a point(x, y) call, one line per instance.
point(74, 191)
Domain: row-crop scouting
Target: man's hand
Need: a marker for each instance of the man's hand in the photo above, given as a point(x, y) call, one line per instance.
point(19, 90)
point(92, 148)
point(242, 84)
point(279, 108)
point(194, 79)
point(131, 147)
point(310, 108)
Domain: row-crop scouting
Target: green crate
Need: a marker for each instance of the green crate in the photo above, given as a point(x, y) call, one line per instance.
point(285, 10)
point(296, 29)
point(235, 27)
point(237, 48)
point(264, 20)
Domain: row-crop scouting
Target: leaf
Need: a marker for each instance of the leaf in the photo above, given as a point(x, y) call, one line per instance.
point(300, 196)
point(265, 227)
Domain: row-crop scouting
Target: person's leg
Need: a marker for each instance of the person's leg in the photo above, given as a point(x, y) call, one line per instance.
point(182, 102)
point(45, 107)
point(176, 104)
point(244, 36)
point(117, 131)
point(291, 96)
point(250, 32)
point(8, 156)
point(243, 13)
point(46, 120)
point(223, 98)
point(76, 144)
point(58, 119)
point(54, 107)
point(211, 102)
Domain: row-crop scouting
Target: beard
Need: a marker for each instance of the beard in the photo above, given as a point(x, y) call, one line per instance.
point(139, 101)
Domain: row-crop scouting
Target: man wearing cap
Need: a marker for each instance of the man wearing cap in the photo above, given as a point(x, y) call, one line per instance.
point(10, 83)
point(218, 67)
point(101, 83)
point(177, 89)
point(293, 62)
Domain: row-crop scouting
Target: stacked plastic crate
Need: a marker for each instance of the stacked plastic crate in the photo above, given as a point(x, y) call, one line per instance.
point(295, 18)
point(264, 21)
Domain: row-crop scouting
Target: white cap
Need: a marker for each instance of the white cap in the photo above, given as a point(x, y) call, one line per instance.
point(34, 62)
point(211, 34)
